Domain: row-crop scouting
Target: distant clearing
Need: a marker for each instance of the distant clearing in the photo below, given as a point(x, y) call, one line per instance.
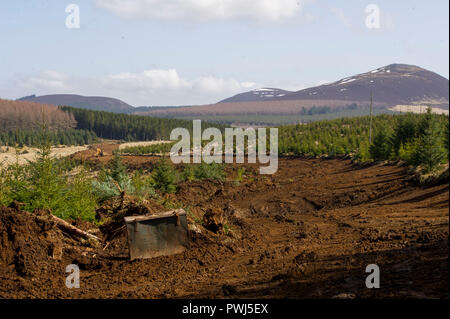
point(419, 109)
point(26, 154)
point(135, 144)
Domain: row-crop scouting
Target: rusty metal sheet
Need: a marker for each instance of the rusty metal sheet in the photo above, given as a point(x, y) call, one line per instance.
point(157, 235)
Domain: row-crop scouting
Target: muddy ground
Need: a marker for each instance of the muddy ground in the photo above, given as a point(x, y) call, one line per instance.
point(308, 231)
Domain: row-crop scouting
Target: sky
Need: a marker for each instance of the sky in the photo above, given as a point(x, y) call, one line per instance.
point(185, 52)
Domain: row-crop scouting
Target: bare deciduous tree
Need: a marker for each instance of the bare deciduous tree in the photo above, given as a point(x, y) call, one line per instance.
point(30, 115)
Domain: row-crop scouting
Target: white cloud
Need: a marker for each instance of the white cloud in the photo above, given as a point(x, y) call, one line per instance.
point(204, 10)
point(47, 80)
point(170, 80)
point(149, 87)
point(149, 79)
point(217, 85)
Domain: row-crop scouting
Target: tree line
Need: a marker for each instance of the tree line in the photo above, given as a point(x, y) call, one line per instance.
point(419, 139)
point(33, 138)
point(21, 124)
point(16, 115)
point(128, 127)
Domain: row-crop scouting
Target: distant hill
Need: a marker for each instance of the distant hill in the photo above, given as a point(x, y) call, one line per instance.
point(257, 95)
point(394, 87)
point(28, 97)
point(97, 103)
point(391, 85)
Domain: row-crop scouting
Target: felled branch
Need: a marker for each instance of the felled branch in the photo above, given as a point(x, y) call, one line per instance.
point(66, 227)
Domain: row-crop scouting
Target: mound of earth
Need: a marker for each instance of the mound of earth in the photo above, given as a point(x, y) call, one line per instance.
point(28, 241)
point(34, 253)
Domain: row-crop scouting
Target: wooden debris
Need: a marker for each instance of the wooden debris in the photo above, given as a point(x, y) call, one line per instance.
point(66, 227)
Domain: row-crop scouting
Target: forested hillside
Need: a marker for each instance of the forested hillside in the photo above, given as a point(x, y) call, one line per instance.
point(127, 127)
point(21, 123)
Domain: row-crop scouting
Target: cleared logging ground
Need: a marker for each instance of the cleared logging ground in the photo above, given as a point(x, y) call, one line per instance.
point(307, 231)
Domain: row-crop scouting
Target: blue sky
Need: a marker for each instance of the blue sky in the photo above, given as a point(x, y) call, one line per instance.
point(181, 52)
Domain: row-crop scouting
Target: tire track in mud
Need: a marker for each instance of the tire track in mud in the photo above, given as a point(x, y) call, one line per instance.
point(349, 241)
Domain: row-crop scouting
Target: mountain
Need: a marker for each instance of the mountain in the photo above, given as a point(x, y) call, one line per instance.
point(97, 103)
point(28, 97)
point(391, 85)
point(257, 95)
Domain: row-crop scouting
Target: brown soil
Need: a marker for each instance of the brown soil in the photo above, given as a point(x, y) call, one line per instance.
point(91, 156)
point(308, 231)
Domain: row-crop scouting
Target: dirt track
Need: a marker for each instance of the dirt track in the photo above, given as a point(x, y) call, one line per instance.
point(308, 231)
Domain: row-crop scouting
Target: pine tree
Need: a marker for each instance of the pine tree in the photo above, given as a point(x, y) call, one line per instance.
point(46, 179)
point(117, 171)
point(405, 130)
point(429, 151)
point(381, 147)
point(164, 176)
